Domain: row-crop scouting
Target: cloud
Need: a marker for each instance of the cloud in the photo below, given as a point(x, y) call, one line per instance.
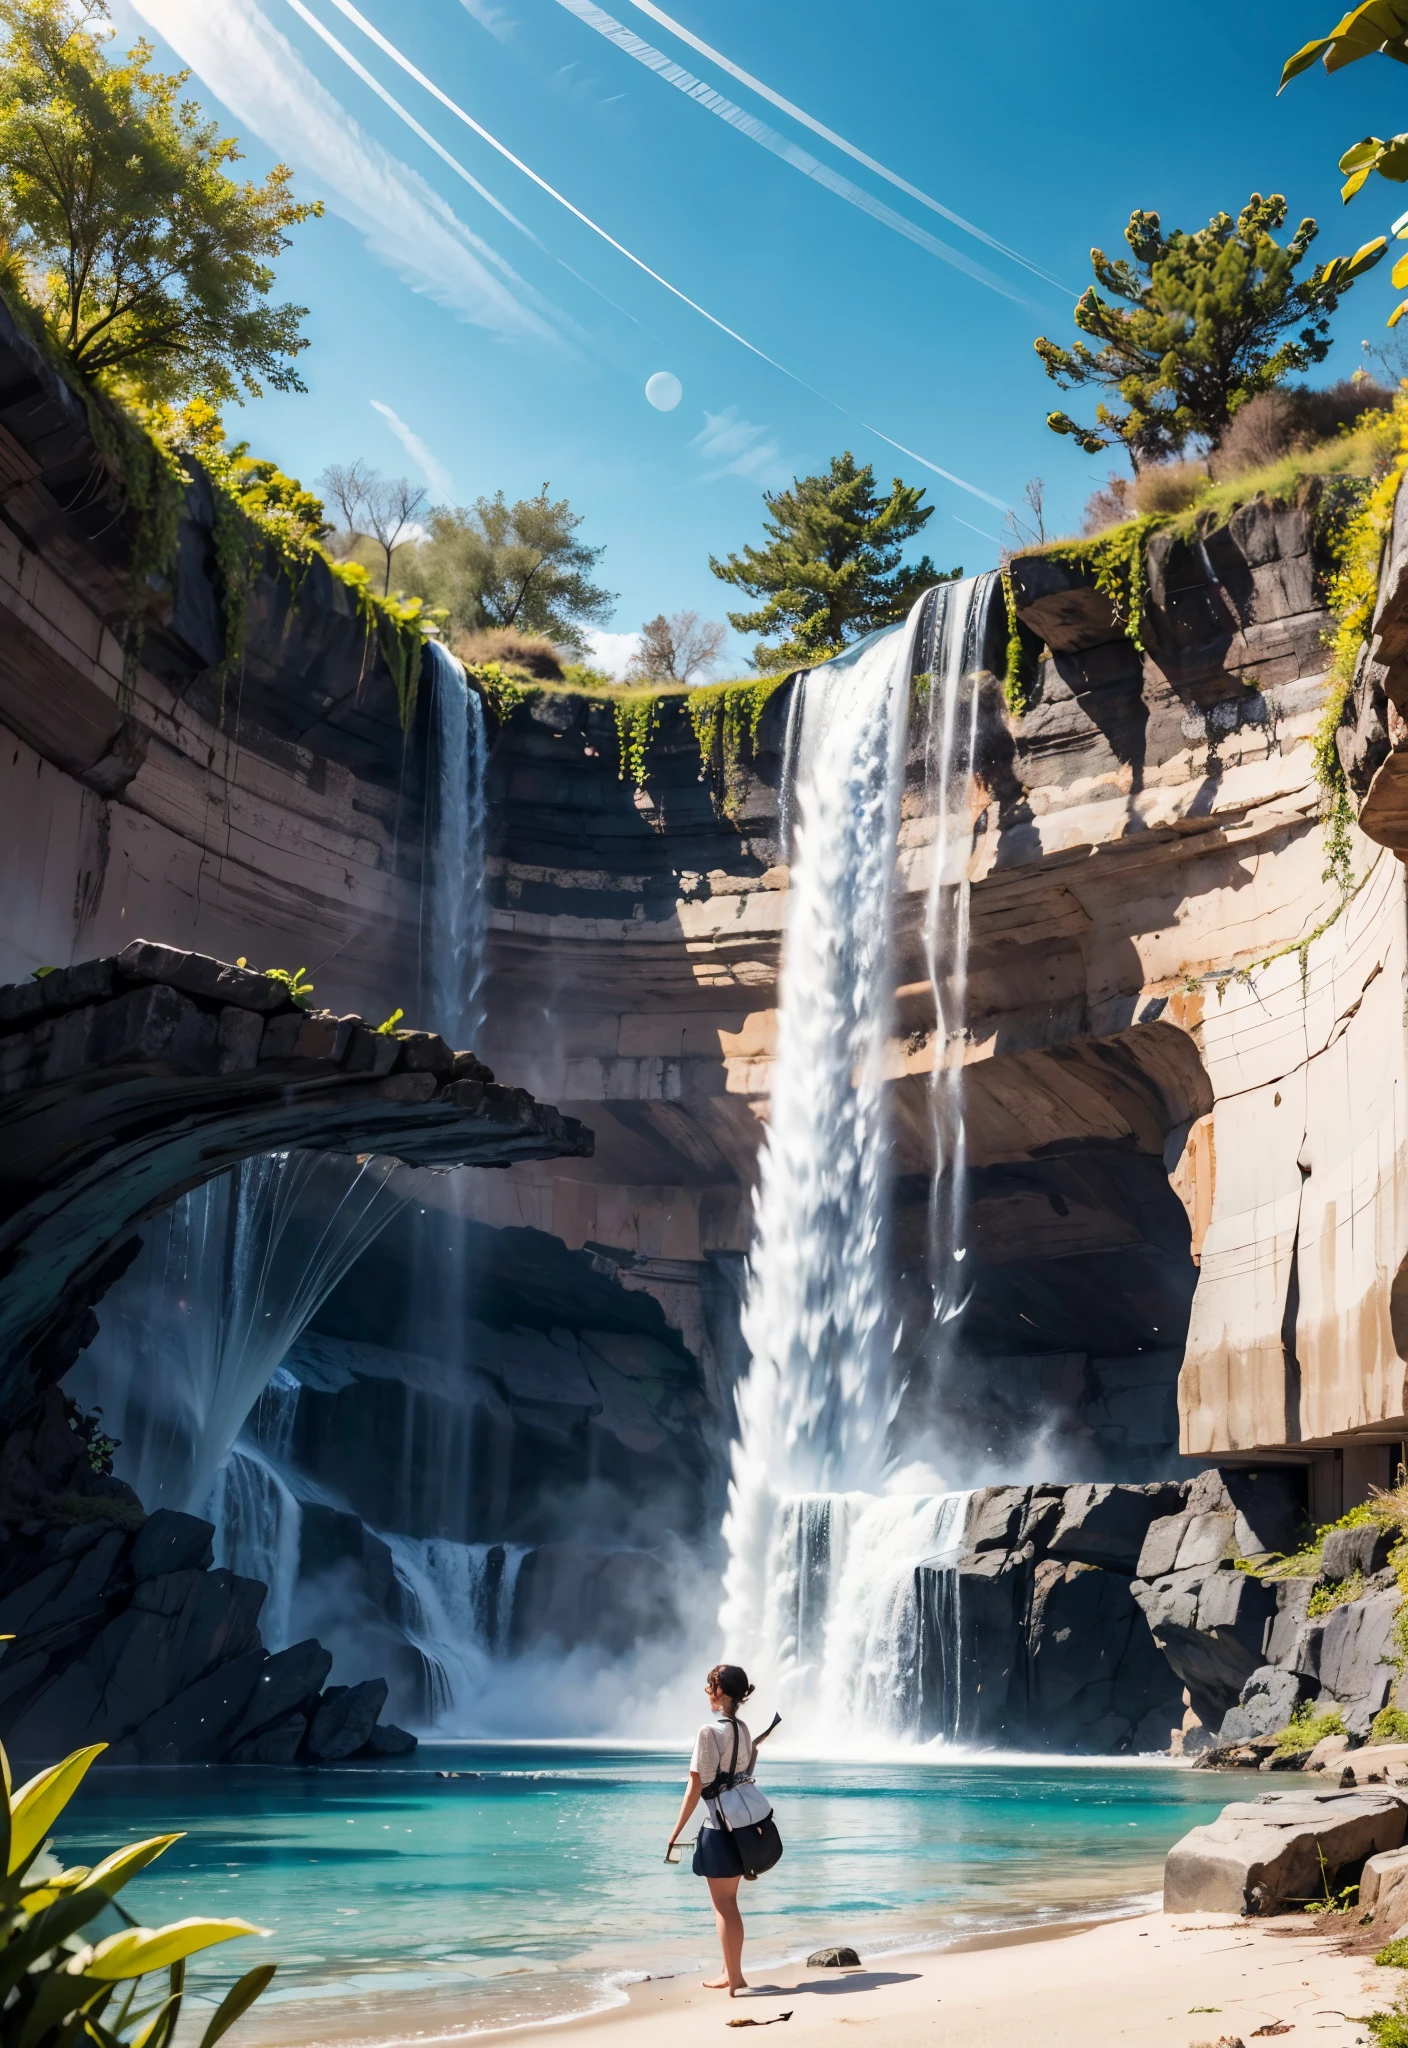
point(613, 652)
point(736, 447)
point(434, 471)
point(495, 19)
point(259, 76)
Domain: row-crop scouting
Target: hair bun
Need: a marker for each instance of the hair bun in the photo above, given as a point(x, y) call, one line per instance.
point(732, 1681)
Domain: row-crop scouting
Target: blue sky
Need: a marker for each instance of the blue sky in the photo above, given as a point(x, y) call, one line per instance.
point(478, 335)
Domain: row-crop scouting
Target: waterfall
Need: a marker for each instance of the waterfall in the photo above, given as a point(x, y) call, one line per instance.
point(954, 649)
point(814, 1406)
point(454, 901)
point(457, 1612)
point(227, 1278)
point(258, 1531)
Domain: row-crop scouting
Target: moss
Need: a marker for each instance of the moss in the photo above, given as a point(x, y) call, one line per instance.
point(637, 716)
point(1390, 1724)
point(1117, 562)
point(1305, 1729)
point(726, 718)
point(1337, 1593)
point(1393, 1955)
point(1389, 2029)
point(1023, 655)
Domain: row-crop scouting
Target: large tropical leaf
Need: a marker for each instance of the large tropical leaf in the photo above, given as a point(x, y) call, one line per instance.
point(113, 1872)
point(238, 1999)
point(1377, 26)
point(38, 1804)
point(138, 1949)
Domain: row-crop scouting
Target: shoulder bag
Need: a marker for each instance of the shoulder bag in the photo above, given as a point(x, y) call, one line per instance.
point(736, 1806)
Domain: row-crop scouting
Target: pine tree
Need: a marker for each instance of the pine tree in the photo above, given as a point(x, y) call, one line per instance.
point(1208, 320)
point(831, 569)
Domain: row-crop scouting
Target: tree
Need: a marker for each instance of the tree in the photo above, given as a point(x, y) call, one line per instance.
point(373, 507)
point(680, 649)
point(121, 222)
point(1208, 319)
point(1378, 28)
point(519, 565)
point(831, 569)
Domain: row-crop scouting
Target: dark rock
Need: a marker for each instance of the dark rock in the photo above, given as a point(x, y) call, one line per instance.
point(1363, 1549)
point(1107, 1525)
point(197, 974)
point(1094, 1665)
point(1268, 1700)
point(172, 1542)
point(25, 1003)
point(291, 1679)
point(425, 1052)
point(194, 1728)
point(344, 1720)
point(1060, 604)
point(1212, 1626)
point(576, 1593)
point(1270, 1509)
point(833, 1959)
point(1356, 1658)
point(386, 1739)
point(279, 1743)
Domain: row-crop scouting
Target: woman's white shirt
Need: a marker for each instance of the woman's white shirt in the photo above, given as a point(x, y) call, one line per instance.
point(713, 1747)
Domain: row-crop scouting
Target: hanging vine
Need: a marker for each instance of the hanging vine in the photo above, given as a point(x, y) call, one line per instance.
point(726, 718)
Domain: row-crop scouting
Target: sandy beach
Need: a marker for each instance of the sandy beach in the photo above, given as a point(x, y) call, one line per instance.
point(1142, 1979)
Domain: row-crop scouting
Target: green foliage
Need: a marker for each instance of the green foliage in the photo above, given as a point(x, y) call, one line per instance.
point(1325, 1599)
point(1305, 1729)
point(1390, 1724)
point(120, 220)
point(726, 717)
point(1205, 321)
point(62, 1990)
point(387, 1029)
point(830, 570)
point(1393, 1955)
point(298, 989)
point(521, 565)
point(637, 715)
point(1023, 655)
point(1116, 560)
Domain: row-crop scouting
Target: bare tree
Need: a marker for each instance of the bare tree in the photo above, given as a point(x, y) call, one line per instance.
point(680, 649)
point(1028, 532)
point(373, 507)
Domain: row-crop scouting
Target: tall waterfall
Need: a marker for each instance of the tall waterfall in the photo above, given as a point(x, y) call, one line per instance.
point(454, 902)
point(823, 1588)
point(955, 632)
point(258, 1519)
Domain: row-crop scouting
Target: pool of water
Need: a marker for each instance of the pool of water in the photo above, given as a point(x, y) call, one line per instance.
point(403, 1905)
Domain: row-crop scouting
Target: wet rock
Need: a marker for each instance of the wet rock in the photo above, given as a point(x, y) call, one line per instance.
point(172, 1542)
point(194, 1728)
point(345, 1718)
point(576, 1593)
point(291, 1679)
point(279, 1743)
point(1280, 1850)
point(833, 1959)
point(386, 1739)
point(1364, 1550)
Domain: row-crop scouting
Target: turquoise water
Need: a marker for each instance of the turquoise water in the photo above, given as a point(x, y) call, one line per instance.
point(404, 1904)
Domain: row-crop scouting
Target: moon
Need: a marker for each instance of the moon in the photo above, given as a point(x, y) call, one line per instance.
point(664, 390)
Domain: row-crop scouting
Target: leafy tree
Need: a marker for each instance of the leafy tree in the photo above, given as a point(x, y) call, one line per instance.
point(680, 649)
point(519, 565)
point(1378, 28)
point(1207, 320)
point(373, 507)
point(119, 218)
point(830, 570)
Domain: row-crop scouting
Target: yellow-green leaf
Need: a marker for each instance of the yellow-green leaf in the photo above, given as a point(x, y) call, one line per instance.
point(1361, 153)
point(38, 1804)
point(113, 1872)
point(237, 2000)
point(139, 1949)
point(1397, 314)
point(1399, 274)
point(1302, 60)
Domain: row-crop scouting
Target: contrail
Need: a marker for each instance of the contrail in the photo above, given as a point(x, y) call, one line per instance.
point(807, 120)
point(758, 131)
point(359, 20)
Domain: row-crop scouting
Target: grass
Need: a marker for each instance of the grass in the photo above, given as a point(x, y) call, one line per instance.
point(1305, 1729)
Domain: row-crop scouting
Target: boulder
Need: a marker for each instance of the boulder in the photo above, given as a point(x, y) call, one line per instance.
point(1266, 1704)
point(1107, 1525)
point(1330, 1749)
point(833, 1959)
point(1363, 1549)
point(1281, 1850)
point(386, 1739)
point(995, 1518)
point(195, 1727)
point(290, 1679)
point(345, 1719)
point(279, 1743)
point(1212, 1625)
point(1356, 1659)
point(172, 1542)
point(1383, 1883)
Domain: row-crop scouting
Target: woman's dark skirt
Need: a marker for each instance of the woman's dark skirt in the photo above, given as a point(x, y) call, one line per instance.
point(716, 1854)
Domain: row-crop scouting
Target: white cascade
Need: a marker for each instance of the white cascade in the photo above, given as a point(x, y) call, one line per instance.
point(227, 1278)
point(258, 1533)
point(457, 1611)
point(955, 636)
point(824, 1594)
point(454, 900)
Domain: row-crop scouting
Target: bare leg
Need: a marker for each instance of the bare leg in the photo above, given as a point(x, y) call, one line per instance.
point(723, 1891)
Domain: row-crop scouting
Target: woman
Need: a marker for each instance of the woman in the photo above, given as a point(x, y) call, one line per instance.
point(715, 1856)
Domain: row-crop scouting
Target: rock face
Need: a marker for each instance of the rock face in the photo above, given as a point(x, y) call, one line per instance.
point(134, 1641)
point(1282, 1850)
